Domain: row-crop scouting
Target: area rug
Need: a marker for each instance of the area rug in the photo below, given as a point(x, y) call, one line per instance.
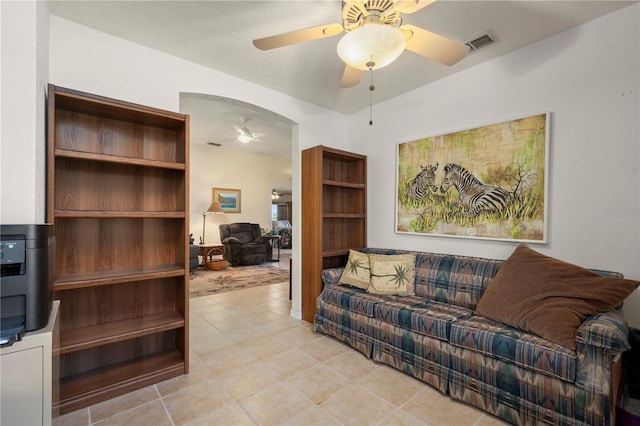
point(204, 282)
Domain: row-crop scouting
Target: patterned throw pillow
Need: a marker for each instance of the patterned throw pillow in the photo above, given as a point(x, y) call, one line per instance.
point(356, 273)
point(392, 274)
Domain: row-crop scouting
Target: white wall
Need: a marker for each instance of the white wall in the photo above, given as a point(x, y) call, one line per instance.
point(588, 79)
point(254, 174)
point(95, 62)
point(24, 60)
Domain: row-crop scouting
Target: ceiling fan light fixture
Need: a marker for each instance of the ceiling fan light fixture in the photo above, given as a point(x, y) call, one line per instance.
point(375, 43)
point(244, 138)
point(245, 135)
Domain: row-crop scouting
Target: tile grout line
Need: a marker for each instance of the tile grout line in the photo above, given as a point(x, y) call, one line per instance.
point(166, 410)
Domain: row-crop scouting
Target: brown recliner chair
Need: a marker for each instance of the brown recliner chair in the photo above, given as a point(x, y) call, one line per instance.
point(244, 244)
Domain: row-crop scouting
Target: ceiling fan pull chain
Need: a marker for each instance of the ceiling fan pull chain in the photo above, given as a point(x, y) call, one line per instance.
point(370, 65)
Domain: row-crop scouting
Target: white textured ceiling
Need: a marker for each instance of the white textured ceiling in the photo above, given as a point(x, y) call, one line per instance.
point(219, 34)
point(213, 121)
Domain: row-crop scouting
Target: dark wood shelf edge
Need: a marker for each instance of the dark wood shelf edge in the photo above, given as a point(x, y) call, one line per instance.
point(354, 185)
point(336, 252)
point(344, 215)
point(110, 382)
point(339, 154)
point(67, 97)
point(93, 279)
point(107, 214)
point(107, 158)
point(104, 334)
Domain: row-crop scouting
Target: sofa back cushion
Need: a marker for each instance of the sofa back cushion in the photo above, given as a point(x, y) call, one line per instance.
point(458, 280)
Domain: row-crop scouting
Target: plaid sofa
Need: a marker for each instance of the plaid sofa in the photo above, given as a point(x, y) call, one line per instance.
point(435, 337)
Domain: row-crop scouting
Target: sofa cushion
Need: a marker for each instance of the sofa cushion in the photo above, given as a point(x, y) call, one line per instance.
point(510, 344)
point(392, 274)
point(357, 272)
point(421, 316)
point(549, 297)
point(351, 298)
point(458, 280)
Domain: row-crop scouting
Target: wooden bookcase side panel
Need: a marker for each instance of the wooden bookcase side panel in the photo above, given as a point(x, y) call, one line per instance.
point(182, 298)
point(109, 356)
point(89, 306)
point(86, 245)
point(90, 186)
point(311, 233)
point(77, 131)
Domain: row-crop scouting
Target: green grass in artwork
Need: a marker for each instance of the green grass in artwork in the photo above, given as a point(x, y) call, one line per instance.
point(437, 209)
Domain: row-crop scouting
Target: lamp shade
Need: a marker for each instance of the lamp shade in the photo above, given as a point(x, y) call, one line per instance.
point(375, 43)
point(215, 207)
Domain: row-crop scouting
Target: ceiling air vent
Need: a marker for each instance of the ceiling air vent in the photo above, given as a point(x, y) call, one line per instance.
point(480, 42)
point(214, 144)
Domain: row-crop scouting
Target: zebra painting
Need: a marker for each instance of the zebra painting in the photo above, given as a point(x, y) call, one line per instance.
point(419, 187)
point(475, 197)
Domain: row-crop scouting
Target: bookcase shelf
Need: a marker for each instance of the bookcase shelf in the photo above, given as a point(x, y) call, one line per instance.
point(118, 214)
point(80, 390)
point(117, 276)
point(334, 217)
point(115, 331)
point(79, 155)
point(117, 194)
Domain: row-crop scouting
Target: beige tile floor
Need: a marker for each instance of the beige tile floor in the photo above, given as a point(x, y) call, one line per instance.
point(252, 364)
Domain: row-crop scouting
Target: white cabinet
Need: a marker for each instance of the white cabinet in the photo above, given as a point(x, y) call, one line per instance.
point(27, 376)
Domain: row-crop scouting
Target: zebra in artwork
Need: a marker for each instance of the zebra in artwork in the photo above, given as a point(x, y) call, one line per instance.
point(419, 187)
point(475, 197)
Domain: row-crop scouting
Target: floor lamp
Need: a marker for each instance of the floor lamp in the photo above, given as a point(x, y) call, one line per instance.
point(215, 207)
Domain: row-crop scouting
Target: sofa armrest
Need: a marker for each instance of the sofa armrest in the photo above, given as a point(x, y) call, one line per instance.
point(607, 330)
point(231, 240)
point(331, 276)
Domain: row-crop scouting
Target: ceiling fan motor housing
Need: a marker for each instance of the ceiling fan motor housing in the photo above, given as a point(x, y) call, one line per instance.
point(355, 14)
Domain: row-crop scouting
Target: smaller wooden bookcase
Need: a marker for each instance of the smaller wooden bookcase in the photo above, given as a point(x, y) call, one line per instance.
point(334, 218)
point(117, 194)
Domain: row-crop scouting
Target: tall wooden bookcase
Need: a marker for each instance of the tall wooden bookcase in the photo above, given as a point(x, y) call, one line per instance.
point(334, 215)
point(117, 194)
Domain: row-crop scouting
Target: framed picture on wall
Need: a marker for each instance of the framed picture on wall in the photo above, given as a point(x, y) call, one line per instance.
point(488, 182)
point(229, 199)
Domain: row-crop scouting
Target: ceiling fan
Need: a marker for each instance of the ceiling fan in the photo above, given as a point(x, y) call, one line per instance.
point(244, 134)
point(375, 37)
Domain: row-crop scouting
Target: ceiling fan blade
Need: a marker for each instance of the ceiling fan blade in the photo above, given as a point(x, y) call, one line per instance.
point(299, 36)
point(351, 77)
point(410, 6)
point(433, 46)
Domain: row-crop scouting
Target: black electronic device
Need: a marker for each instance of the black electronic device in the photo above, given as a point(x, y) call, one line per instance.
point(26, 282)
